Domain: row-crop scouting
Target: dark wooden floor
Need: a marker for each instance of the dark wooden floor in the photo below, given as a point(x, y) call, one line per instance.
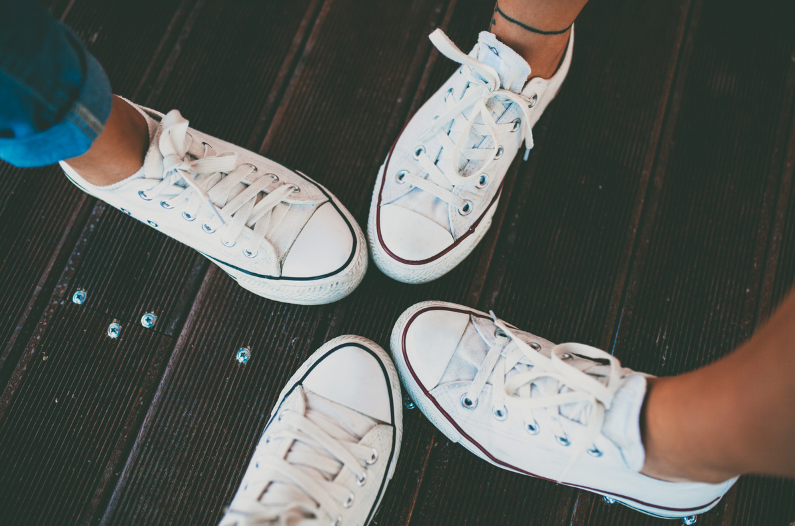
point(655, 219)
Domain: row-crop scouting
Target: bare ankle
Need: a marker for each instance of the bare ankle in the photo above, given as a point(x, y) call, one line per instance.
point(119, 150)
point(542, 47)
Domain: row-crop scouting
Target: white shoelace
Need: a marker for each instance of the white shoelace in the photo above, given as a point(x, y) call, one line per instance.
point(210, 180)
point(557, 383)
point(304, 479)
point(482, 97)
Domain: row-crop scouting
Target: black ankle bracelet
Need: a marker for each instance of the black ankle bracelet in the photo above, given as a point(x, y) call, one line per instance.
point(525, 26)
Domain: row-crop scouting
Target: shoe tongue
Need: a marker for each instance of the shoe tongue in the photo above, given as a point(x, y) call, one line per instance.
point(509, 65)
point(622, 421)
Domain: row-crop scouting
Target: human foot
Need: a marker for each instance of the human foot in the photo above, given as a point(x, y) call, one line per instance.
point(566, 412)
point(118, 152)
point(278, 233)
point(440, 184)
point(331, 445)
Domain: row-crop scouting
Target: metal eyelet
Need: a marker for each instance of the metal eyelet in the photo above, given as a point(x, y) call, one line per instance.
point(563, 441)
point(533, 428)
point(337, 521)
point(166, 205)
point(689, 520)
point(466, 209)
point(419, 150)
point(483, 181)
point(535, 346)
point(449, 92)
point(500, 413)
point(533, 100)
point(143, 196)
point(348, 503)
point(361, 481)
point(499, 333)
point(125, 211)
point(517, 123)
point(274, 177)
point(187, 217)
point(565, 356)
point(207, 228)
point(151, 223)
point(373, 458)
point(500, 151)
point(467, 403)
point(249, 254)
point(400, 176)
point(594, 452)
point(296, 189)
point(229, 245)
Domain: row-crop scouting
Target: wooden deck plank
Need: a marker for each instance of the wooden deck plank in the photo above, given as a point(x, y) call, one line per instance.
point(76, 408)
point(566, 239)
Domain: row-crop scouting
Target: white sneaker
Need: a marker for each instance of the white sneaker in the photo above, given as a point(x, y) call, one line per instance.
point(568, 413)
point(280, 234)
point(438, 188)
point(331, 444)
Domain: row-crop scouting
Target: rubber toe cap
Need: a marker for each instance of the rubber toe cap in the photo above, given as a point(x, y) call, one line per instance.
point(410, 236)
point(324, 245)
point(352, 377)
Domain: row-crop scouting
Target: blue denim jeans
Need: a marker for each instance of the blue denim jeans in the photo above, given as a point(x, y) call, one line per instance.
point(54, 96)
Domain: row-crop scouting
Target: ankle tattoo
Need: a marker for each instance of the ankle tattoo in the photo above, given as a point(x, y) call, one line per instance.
point(521, 24)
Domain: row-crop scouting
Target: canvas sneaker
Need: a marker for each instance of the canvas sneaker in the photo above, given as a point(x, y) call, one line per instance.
point(331, 444)
point(568, 413)
point(438, 189)
point(277, 232)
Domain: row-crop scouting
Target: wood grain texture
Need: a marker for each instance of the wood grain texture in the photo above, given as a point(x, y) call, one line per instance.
point(64, 422)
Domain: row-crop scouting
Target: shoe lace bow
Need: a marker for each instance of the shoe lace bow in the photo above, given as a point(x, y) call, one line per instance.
point(586, 388)
point(214, 179)
point(482, 96)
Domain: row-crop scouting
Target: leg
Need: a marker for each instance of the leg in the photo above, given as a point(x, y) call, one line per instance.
point(733, 416)
point(542, 50)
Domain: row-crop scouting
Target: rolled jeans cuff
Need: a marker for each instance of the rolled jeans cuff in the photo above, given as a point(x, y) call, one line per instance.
point(75, 133)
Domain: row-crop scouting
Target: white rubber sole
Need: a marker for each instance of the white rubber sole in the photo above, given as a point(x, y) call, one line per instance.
point(415, 274)
point(442, 424)
point(394, 385)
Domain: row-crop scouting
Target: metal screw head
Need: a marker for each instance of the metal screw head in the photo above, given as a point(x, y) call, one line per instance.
point(609, 500)
point(148, 320)
point(114, 329)
point(408, 403)
point(79, 297)
point(243, 355)
point(690, 520)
